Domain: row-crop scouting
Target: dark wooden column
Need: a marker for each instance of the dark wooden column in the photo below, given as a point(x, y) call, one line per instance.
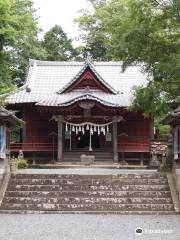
point(60, 138)
point(115, 140)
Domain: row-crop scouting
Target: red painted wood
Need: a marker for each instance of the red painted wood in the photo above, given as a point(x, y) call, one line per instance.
point(39, 126)
point(88, 79)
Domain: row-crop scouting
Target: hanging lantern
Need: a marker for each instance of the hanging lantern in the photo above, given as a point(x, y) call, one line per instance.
point(79, 128)
point(95, 129)
point(73, 129)
point(87, 127)
point(102, 129)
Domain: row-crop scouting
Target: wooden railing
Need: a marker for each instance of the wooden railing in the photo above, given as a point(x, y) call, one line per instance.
point(125, 144)
point(32, 147)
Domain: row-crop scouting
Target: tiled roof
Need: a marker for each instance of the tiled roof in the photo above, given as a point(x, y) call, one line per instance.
point(46, 80)
point(9, 117)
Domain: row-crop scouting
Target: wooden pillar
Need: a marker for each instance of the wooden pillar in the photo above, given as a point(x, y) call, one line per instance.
point(60, 138)
point(115, 141)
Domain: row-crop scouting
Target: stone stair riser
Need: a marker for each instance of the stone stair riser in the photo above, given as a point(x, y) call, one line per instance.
point(93, 200)
point(99, 177)
point(143, 194)
point(90, 207)
point(88, 188)
point(88, 182)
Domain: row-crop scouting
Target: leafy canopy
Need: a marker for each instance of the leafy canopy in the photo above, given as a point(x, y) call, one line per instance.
point(57, 45)
point(17, 24)
point(145, 32)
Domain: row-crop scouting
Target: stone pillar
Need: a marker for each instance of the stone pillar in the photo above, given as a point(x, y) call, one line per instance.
point(176, 150)
point(60, 138)
point(115, 141)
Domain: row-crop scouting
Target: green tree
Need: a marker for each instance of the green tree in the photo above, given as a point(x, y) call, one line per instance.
point(57, 45)
point(31, 48)
point(93, 37)
point(17, 21)
point(145, 32)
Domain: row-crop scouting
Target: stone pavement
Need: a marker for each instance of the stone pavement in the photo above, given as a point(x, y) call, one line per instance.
point(88, 227)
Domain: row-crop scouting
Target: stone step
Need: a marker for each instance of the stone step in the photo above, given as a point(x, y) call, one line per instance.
point(134, 212)
point(88, 153)
point(96, 159)
point(76, 176)
point(116, 193)
point(59, 194)
point(87, 200)
point(162, 187)
point(88, 182)
point(100, 156)
point(88, 207)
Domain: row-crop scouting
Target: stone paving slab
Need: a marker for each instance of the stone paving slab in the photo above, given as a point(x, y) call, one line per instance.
point(84, 171)
point(88, 227)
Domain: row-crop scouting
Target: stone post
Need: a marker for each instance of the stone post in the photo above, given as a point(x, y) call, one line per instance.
point(170, 154)
point(115, 141)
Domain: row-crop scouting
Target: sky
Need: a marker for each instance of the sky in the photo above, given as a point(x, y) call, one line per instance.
point(61, 12)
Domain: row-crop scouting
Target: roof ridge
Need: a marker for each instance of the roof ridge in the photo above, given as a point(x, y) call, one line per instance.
point(53, 63)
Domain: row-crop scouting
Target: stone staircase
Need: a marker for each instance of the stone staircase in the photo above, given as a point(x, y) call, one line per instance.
point(146, 193)
point(100, 156)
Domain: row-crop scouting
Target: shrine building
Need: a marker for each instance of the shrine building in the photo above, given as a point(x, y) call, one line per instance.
point(75, 108)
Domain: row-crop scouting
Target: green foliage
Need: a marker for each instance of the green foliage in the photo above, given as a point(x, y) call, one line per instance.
point(92, 35)
point(17, 23)
point(22, 164)
point(57, 45)
point(147, 33)
point(147, 98)
point(164, 131)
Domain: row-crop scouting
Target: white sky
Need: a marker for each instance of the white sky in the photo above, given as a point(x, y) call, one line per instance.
point(61, 12)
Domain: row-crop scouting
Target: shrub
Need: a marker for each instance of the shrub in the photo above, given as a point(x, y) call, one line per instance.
point(22, 164)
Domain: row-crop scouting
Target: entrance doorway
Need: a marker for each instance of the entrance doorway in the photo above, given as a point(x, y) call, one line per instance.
point(83, 140)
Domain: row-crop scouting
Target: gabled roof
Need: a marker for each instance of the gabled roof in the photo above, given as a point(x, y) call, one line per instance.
point(88, 66)
point(46, 83)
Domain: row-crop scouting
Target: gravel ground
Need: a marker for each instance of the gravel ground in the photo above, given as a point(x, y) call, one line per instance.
point(88, 227)
point(88, 171)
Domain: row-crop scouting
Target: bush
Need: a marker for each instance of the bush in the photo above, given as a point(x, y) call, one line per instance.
point(22, 164)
